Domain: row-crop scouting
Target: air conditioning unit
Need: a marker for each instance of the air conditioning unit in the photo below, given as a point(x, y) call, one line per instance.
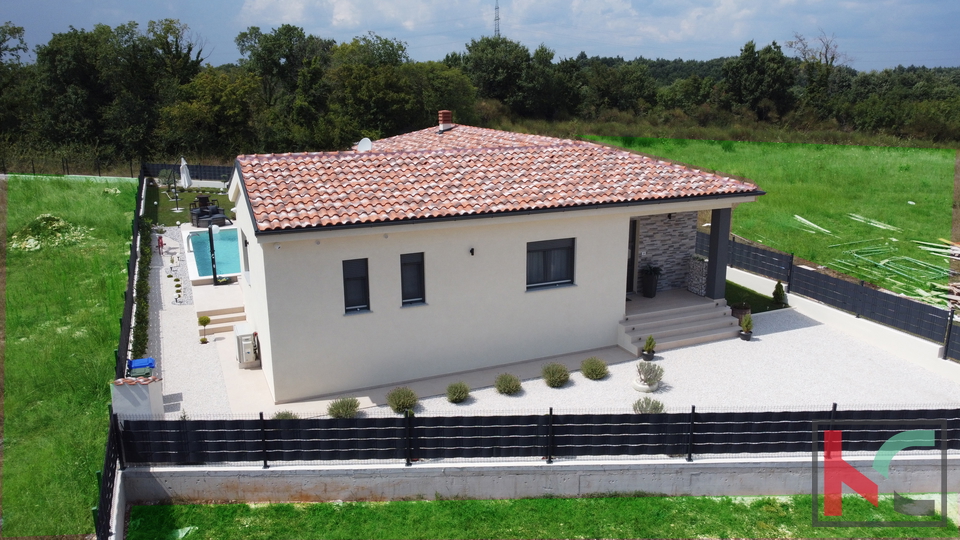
point(247, 346)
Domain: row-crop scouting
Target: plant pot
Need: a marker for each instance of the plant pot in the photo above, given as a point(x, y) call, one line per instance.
point(648, 285)
point(641, 386)
point(739, 310)
point(647, 355)
point(746, 335)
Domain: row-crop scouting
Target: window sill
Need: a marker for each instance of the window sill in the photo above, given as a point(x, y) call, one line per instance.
point(356, 312)
point(413, 304)
point(536, 288)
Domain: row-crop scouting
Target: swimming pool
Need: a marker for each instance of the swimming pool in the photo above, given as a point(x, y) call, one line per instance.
point(227, 248)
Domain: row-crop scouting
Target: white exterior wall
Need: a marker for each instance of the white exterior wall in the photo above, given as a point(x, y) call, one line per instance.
point(478, 312)
point(253, 282)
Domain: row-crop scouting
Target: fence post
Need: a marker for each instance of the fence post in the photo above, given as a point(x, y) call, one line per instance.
point(263, 440)
point(33, 167)
point(946, 339)
point(115, 427)
point(790, 272)
point(693, 410)
point(408, 427)
point(833, 415)
point(550, 436)
point(859, 308)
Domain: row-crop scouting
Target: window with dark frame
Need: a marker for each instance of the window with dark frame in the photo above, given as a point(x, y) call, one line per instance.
point(550, 263)
point(411, 279)
point(356, 287)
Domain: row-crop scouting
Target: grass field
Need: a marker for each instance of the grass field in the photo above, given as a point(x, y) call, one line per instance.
point(63, 305)
point(621, 517)
point(910, 189)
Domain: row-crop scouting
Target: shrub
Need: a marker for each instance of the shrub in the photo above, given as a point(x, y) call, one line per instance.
point(746, 323)
point(647, 405)
point(649, 373)
point(286, 415)
point(402, 399)
point(346, 407)
point(779, 295)
point(507, 384)
point(555, 375)
point(650, 344)
point(594, 368)
point(458, 392)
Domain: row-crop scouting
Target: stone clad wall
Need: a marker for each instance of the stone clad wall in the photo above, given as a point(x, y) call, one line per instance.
point(668, 242)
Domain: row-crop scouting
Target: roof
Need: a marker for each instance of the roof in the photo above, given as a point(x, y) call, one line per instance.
point(465, 171)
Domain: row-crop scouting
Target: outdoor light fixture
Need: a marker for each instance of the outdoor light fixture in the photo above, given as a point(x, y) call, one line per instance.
point(471, 252)
point(212, 230)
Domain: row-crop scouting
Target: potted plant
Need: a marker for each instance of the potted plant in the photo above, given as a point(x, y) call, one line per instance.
point(746, 327)
point(648, 377)
point(648, 349)
point(649, 277)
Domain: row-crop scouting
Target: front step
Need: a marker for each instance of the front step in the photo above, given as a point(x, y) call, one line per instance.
point(222, 322)
point(678, 327)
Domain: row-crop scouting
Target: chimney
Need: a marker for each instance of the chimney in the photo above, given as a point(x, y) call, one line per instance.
point(446, 121)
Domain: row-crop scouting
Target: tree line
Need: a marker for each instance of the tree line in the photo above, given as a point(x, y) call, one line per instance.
point(128, 93)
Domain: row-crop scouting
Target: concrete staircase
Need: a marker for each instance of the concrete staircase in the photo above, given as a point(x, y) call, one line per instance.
point(221, 319)
point(678, 326)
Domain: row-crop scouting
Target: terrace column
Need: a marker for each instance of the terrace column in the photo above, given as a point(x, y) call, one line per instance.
point(719, 244)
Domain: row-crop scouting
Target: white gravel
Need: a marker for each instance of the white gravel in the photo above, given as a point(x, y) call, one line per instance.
point(793, 362)
point(193, 382)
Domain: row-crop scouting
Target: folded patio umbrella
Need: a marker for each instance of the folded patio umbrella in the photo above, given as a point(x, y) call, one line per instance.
point(185, 181)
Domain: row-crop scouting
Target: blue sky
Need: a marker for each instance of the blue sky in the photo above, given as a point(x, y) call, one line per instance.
point(877, 34)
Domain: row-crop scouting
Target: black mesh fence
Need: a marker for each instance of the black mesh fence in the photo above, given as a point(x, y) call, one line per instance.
point(195, 442)
point(197, 172)
point(126, 319)
point(773, 264)
point(107, 479)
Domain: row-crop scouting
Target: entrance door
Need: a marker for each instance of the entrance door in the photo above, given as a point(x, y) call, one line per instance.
point(631, 260)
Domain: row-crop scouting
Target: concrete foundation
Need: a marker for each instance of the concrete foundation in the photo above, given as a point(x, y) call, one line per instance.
point(772, 476)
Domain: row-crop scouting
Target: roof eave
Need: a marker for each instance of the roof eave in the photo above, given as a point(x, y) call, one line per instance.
point(440, 219)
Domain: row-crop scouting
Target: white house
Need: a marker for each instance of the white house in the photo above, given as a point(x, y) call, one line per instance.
point(456, 248)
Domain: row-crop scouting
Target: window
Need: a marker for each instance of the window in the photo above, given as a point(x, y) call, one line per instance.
point(356, 289)
point(411, 278)
point(549, 263)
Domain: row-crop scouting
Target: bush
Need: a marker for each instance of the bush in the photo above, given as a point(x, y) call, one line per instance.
point(650, 344)
point(346, 407)
point(779, 295)
point(555, 375)
point(649, 373)
point(402, 399)
point(594, 368)
point(286, 415)
point(458, 392)
point(507, 384)
point(647, 405)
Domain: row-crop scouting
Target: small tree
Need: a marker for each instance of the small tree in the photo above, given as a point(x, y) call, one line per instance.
point(779, 295)
point(746, 324)
point(203, 320)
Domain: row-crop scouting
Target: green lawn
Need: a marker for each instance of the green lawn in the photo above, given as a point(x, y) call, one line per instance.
point(611, 517)
point(824, 184)
point(62, 322)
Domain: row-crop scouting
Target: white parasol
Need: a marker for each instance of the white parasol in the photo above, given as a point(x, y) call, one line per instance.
point(185, 181)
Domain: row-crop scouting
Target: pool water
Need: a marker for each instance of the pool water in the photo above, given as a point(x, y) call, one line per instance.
point(227, 248)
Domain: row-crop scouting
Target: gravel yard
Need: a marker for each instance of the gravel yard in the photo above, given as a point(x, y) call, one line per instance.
point(793, 362)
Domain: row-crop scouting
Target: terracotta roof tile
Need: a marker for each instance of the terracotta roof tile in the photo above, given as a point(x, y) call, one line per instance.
point(464, 171)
